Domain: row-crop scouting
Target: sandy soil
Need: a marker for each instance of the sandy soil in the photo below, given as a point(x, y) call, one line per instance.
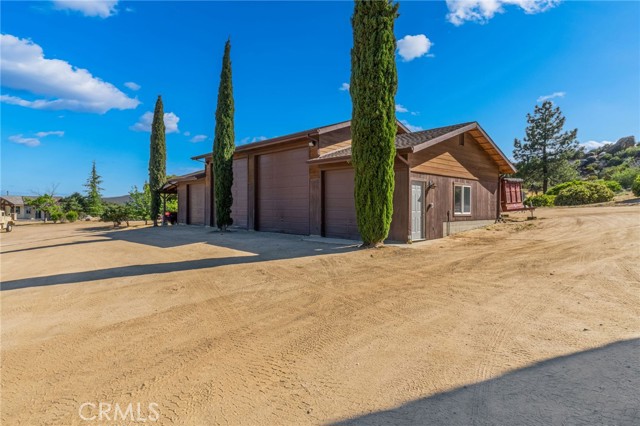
point(522, 323)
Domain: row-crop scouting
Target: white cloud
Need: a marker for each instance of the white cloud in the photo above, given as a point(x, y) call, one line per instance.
point(198, 138)
point(31, 141)
point(410, 126)
point(100, 8)
point(144, 123)
point(551, 96)
point(595, 144)
point(344, 87)
point(51, 133)
point(402, 109)
point(412, 47)
point(133, 86)
point(252, 139)
point(187, 133)
point(483, 10)
point(58, 84)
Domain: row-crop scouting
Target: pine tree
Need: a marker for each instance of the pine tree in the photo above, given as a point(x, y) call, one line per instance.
point(94, 204)
point(157, 159)
point(223, 144)
point(374, 81)
point(546, 147)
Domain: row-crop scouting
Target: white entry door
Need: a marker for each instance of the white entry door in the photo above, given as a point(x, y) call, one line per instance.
point(417, 211)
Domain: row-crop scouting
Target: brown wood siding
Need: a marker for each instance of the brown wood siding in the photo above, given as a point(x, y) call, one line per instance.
point(399, 222)
point(315, 200)
point(196, 200)
point(182, 203)
point(209, 196)
point(399, 230)
point(339, 204)
point(282, 196)
point(484, 195)
point(239, 192)
point(449, 158)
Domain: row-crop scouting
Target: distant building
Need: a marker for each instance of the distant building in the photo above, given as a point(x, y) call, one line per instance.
point(17, 204)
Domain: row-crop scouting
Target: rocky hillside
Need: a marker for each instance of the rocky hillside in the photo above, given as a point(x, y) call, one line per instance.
point(607, 160)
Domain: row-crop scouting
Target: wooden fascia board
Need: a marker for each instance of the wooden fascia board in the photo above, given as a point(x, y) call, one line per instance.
point(432, 142)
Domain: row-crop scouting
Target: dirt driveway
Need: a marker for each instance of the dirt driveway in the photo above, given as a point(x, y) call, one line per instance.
point(523, 323)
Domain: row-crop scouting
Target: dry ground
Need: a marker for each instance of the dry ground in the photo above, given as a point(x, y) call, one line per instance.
point(523, 323)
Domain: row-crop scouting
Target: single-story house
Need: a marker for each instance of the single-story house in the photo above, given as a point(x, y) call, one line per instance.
point(447, 180)
point(18, 204)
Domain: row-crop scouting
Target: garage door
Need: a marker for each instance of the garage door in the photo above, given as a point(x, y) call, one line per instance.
point(196, 203)
point(283, 192)
point(339, 205)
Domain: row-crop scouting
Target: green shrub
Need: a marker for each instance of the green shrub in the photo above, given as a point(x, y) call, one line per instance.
point(636, 186)
point(116, 213)
point(612, 185)
point(583, 193)
point(626, 177)
point(55, 216)
point(71, 216)
point(542, 200)
point(555, 190)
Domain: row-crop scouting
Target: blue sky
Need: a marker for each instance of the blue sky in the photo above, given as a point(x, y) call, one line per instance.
point(67, 69)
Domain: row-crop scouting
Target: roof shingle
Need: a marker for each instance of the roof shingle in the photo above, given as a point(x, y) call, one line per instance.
point(405, 140)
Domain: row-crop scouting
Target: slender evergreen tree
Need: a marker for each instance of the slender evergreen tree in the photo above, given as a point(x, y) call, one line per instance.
point(223, 144)
point(157, 159)
point(374, 81)
point(94, 196)
point(546, 147)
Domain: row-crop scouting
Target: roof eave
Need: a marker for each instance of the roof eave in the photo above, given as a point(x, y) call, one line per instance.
point(512, 168)
point(431, 142)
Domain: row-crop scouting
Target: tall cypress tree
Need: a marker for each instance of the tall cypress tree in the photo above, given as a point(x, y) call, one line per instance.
point(94, 196)
point(374, 81)
point(157, 159)
point(223, 144)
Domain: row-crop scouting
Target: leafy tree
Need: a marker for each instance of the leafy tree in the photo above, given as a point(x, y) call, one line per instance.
point(75, 202)
point(140, 204)
point(545, 145)
point(172, 203)
point(157, 159)
point(46, 204)
point(374, 81)
point(116, 213)
point(94, 205)
point(223, 144)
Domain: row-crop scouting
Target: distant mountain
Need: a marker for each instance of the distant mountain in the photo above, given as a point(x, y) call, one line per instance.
point(122, 199)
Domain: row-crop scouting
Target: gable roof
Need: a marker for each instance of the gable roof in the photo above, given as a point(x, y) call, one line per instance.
point(18, 200)
point(417, 141)
point(310, 133)
point(13, 199)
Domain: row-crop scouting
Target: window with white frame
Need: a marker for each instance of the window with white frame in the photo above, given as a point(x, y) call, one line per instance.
point(27, 210)
point(462, 199)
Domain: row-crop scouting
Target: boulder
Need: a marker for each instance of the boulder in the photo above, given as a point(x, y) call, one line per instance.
point(622, 144)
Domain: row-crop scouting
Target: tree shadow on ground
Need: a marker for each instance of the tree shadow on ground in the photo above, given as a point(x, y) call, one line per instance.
point(229, 248)
point(598, 386)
